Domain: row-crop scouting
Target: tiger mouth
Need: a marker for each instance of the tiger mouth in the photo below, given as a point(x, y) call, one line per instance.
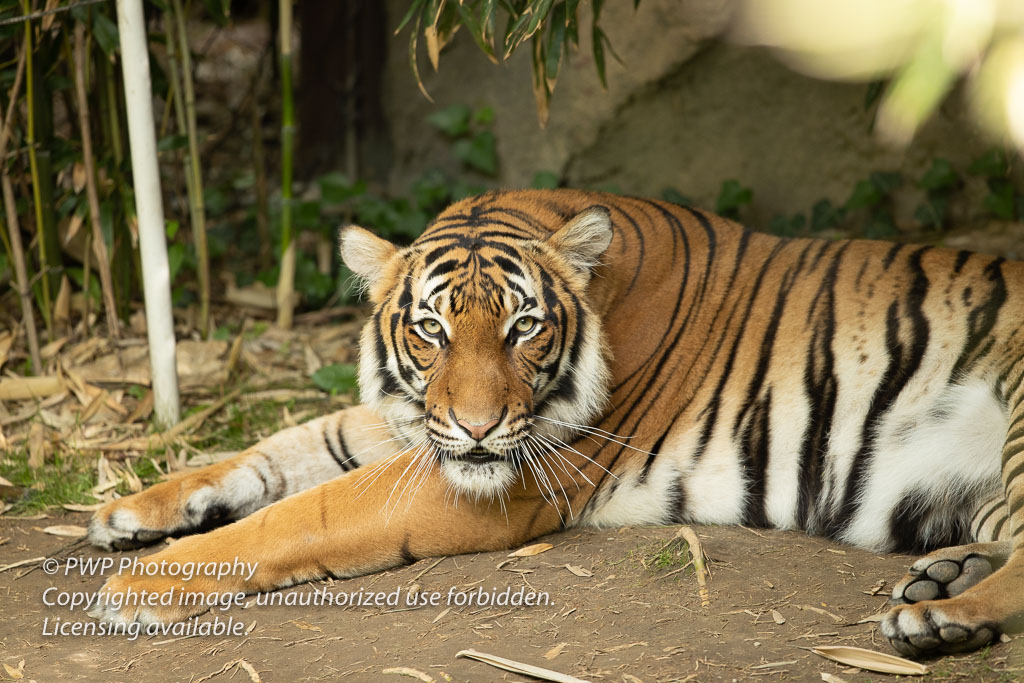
point(477, 456)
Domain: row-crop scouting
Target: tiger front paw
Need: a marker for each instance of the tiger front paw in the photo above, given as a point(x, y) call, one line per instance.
point(167, 509)
point(937, 626)
point(127, 599)
point(948, 572)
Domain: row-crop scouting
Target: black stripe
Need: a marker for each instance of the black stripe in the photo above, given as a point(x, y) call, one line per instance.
point(903, 364)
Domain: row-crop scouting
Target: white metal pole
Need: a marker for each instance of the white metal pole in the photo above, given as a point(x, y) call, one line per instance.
point(149, 205)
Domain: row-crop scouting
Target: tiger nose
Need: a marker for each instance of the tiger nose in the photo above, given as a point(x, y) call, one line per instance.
point(477, 430)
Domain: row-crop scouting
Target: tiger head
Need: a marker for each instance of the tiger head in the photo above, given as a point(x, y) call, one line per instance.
point(482, 351)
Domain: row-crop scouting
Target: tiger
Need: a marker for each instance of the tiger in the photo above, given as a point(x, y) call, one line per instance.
point(543, 359)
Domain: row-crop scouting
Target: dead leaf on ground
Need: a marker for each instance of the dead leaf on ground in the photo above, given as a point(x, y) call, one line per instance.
point(15, 673)
point(555, 651)
point(411, 673)
point(777, 617)
point(579, 571)
point(530, 550)
point(75, 507)
point(870, 660)
point(831, 678)
point(36, 445)
point(519, 667)
point(67, 530)
point(305, 626)
point(6, 339)
point(21, 388)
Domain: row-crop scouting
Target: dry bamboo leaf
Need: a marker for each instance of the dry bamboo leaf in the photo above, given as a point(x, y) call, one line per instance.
point(76, 507)
point(831, 678)
point(411, 673)
point(62, 304)
point(555, 651)
point(143, 409)
point(67, 530)
point(777, 617)
point(306, 626)
point(433, 45)
point(870, 660)
point(20, 563)
point(824, 612)
point(75, 223)
point(579, 571)
point(78, 177)
point(51, 349)
point(15, 673)
point(519, 667)
point(20, 388)
point(36, 445)
point(6, 339)
point(874, 618)
point(530, 550)
point(248, 668)
point(440, 616)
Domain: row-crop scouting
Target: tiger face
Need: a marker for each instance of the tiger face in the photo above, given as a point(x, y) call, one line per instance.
point(482, 352)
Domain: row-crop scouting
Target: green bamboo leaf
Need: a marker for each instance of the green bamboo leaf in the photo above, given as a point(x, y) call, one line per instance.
point(477, 31)
point(412, 59)
point(413, 9)
point(556, 40)
point(598, 46)
point(105, 32)
point(570, 11)
point(539, 13)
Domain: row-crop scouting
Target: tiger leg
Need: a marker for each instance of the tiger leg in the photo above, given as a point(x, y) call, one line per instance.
point(994, 603)
point(364, 521)
point(291, 460)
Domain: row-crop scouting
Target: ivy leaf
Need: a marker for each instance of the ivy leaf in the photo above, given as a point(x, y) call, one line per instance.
point(731, 197)
point(939, 177)
point(479, 152)
point(453, 120)
point(338, 378)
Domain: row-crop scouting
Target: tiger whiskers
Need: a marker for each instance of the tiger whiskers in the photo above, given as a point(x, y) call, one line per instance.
point(558, 444)
point(592, 432)
point(374, 472)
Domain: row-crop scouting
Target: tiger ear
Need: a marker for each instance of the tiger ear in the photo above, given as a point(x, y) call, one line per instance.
point(583, 239)
point(364, 253)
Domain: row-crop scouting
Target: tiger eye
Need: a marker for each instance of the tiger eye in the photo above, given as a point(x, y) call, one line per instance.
point(525, 324)
point(430, 326)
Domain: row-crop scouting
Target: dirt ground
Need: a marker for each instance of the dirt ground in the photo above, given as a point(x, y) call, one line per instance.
point(613, 615)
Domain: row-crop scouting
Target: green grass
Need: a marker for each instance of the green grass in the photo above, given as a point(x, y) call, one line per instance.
point(66, 480)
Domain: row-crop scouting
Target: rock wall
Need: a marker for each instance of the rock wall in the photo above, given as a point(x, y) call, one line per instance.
point(686, 111)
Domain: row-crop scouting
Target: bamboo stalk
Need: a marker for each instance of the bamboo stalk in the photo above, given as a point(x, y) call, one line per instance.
point(99, 245)
point(259, 163)
point(196, 202)
point(152, 241)
point(286, 278)
point(21, 277)
point(14, 232)
point(30, 142)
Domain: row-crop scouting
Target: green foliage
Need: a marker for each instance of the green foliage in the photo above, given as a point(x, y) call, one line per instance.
point(339, 378)
point(67, 479)
point(553, 27)
point(939, 183)
point(872, 199)
point(469, 131)
point(731, 198)
point(670, 194)
point(1003, 201)
point(545, 180)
